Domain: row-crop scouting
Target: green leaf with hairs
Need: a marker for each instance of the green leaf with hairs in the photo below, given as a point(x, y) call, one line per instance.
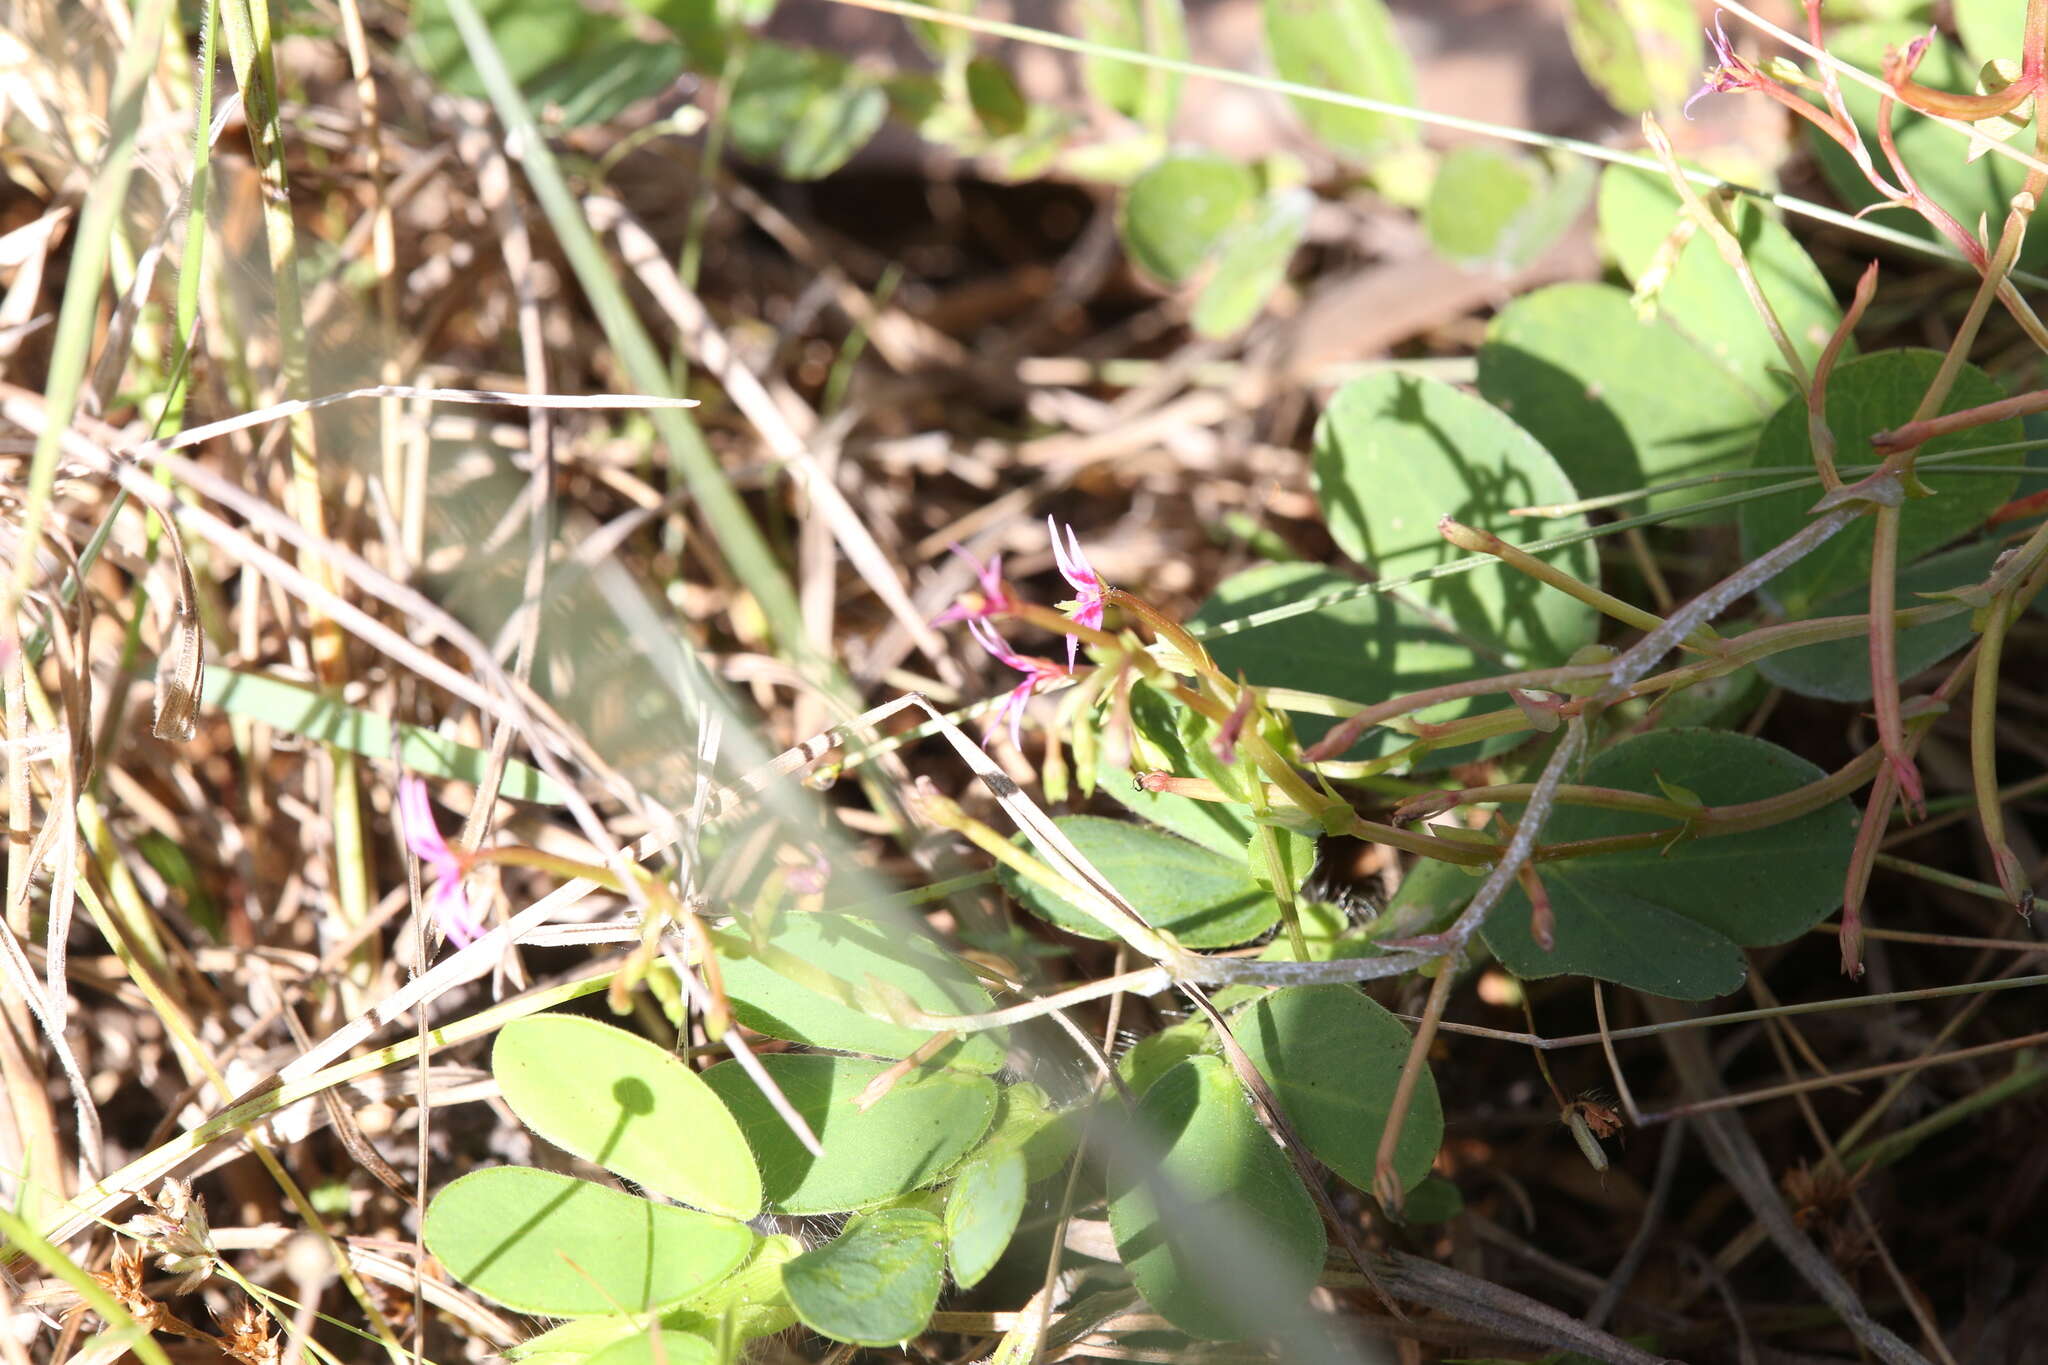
point(876, 1283)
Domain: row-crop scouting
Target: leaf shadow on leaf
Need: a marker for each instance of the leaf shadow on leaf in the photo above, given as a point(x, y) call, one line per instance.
point(1456, 605)
point(519, 1232)
point(1574, 421)
point(634, 1098)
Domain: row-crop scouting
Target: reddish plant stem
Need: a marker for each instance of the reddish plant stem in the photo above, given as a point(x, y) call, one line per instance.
point(1818, 433)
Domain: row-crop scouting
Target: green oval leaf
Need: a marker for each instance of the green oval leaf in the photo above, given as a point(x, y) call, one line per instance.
point(803, 111)
point(982, 1212)
point(1251, 261)
point(765, 984)
point(1201, 898)
point(1622, 402)
point(1839, 670)
point(1990, 28)
point(1479, 193)
point(1644, 55)
point(1395, 453)
point(1867, 395)
point(672, 1348)
point(1703, 298)
point(546, 1243)
point(1673, 919)
point(1218, 1233)
point(1145, 94)
point(572, 64)
point(628, 1105)
point(909, 1138)
point(1352, 48)
point(993, 95)
point(1173, 215)
point(876, 1283)
point(1333, 1057)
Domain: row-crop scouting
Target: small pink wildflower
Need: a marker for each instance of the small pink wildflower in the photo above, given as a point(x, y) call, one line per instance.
point(1037, 674)
point(1075, 568)
point(992, 600)
point(447, 902)
point(1730, 71)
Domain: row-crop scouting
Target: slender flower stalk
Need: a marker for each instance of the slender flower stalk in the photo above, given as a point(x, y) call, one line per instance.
point(447, 902)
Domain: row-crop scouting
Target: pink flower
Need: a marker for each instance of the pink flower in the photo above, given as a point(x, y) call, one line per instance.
point(1075, 568)
point(1730, 72)
point(1037, 674)
point(446, 902)
point(993, 599)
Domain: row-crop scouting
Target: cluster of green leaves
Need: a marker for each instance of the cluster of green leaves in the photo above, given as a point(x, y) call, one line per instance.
point(937, 1166)
point(1189, 218)
point(1589, 389)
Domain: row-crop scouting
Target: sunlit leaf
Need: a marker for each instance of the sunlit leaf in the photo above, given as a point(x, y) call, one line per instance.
point(1622, 402)
point(1352, 48)
point(628, 1105)
point(1645, 55)
point(546, 1243)
point(1174, 215)
point(768, 993)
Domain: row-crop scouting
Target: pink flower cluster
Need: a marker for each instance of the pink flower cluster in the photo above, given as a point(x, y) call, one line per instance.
point(993, 599)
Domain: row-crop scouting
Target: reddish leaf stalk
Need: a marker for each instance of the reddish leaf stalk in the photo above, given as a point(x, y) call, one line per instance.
point(1922, 430)
point(1884, 658)
point(1818, 434)
point(1386, 1181)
